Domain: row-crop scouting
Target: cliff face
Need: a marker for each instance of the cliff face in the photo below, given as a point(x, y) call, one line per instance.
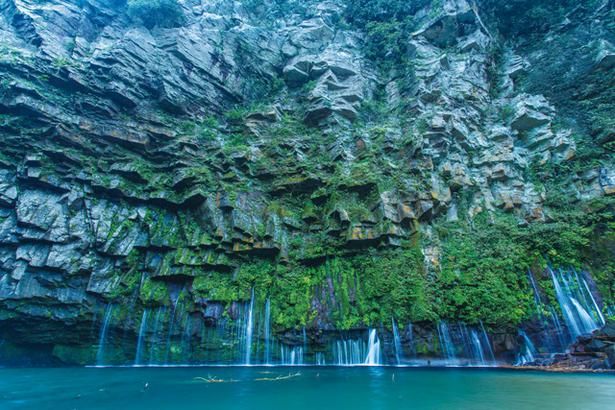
point(164, 180)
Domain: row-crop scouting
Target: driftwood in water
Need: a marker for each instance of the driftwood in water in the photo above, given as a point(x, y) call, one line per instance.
point(214, 379)
point(269, 379)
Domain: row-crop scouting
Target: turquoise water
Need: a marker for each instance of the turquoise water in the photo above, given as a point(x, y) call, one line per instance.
point(307, 388)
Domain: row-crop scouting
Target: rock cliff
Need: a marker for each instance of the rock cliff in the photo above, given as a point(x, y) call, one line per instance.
point(161, 180)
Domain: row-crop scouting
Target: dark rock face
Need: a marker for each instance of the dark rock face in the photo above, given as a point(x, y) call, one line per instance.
point(135, 162)
point(594, 352)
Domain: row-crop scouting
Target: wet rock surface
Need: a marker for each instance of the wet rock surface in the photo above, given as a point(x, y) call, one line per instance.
point(591, 352)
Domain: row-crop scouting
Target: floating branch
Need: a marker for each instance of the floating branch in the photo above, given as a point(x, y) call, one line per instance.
point(289, 376)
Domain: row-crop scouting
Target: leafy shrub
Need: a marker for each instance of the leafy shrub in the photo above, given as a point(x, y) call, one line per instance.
point(156, 13)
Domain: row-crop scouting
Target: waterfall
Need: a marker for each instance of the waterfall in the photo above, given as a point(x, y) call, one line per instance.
point(291, 356)
point(581, 317)
point(171, 328)
point(469, 350)
point(396, 342)
point(558, 327)
point(594, 304)
point(529, 352)
point(487, 343)
point(410, 336)
point(373, 349)
point(537, 300)
point(463, 345)
point(100, 355)
point(155, 336)
point(349, 352)
point(587, 322)
point(446, 342)
point(141, 337)
point(186, 336)
point(249, 330)
point(267, 331)
point(477, 347)
point(320, 359)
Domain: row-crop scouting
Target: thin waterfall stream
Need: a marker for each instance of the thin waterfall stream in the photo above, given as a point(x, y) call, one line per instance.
point(100, 355)
point(141, 338)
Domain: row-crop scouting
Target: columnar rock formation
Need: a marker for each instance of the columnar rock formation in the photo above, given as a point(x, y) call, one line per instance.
point(142, 166)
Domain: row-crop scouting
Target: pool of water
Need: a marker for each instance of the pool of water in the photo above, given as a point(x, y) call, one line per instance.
point(301, 388)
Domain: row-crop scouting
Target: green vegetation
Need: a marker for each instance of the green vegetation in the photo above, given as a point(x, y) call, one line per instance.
point(154, 292)
point(387, 25)
point(579, 233)
point(320, 187)
point(485, 264)
point(367, 289)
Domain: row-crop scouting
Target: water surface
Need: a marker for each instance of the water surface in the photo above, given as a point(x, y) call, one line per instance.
point(307, 388)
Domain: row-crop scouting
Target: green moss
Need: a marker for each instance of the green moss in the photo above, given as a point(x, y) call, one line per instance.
point(216, 286)
point(367, 290)
point(484, 272)
point(291, 296)
point(374, 288)
point(154, 292)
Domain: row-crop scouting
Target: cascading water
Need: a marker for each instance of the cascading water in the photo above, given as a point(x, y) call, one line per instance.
point(267, 332)
point(291, 356)
point(320, 359)
point(548, 322)
point(410, 336)
point(557, 326)
point(537, 300)
point(599, 314)
point(529, 352)
point(581, 315)
point(356, 352)
point(487, 343)
point(185, 340)
point(460, 345)
point(446, 343)
point(249, 331)
point(140, 340)
point(100, 355)
point(396, 342)
point(477, 347)
point(171, 327)
point(373, 349)
point(465, 346)
point(349, 352)
point(155, 337)
point(580, 312)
